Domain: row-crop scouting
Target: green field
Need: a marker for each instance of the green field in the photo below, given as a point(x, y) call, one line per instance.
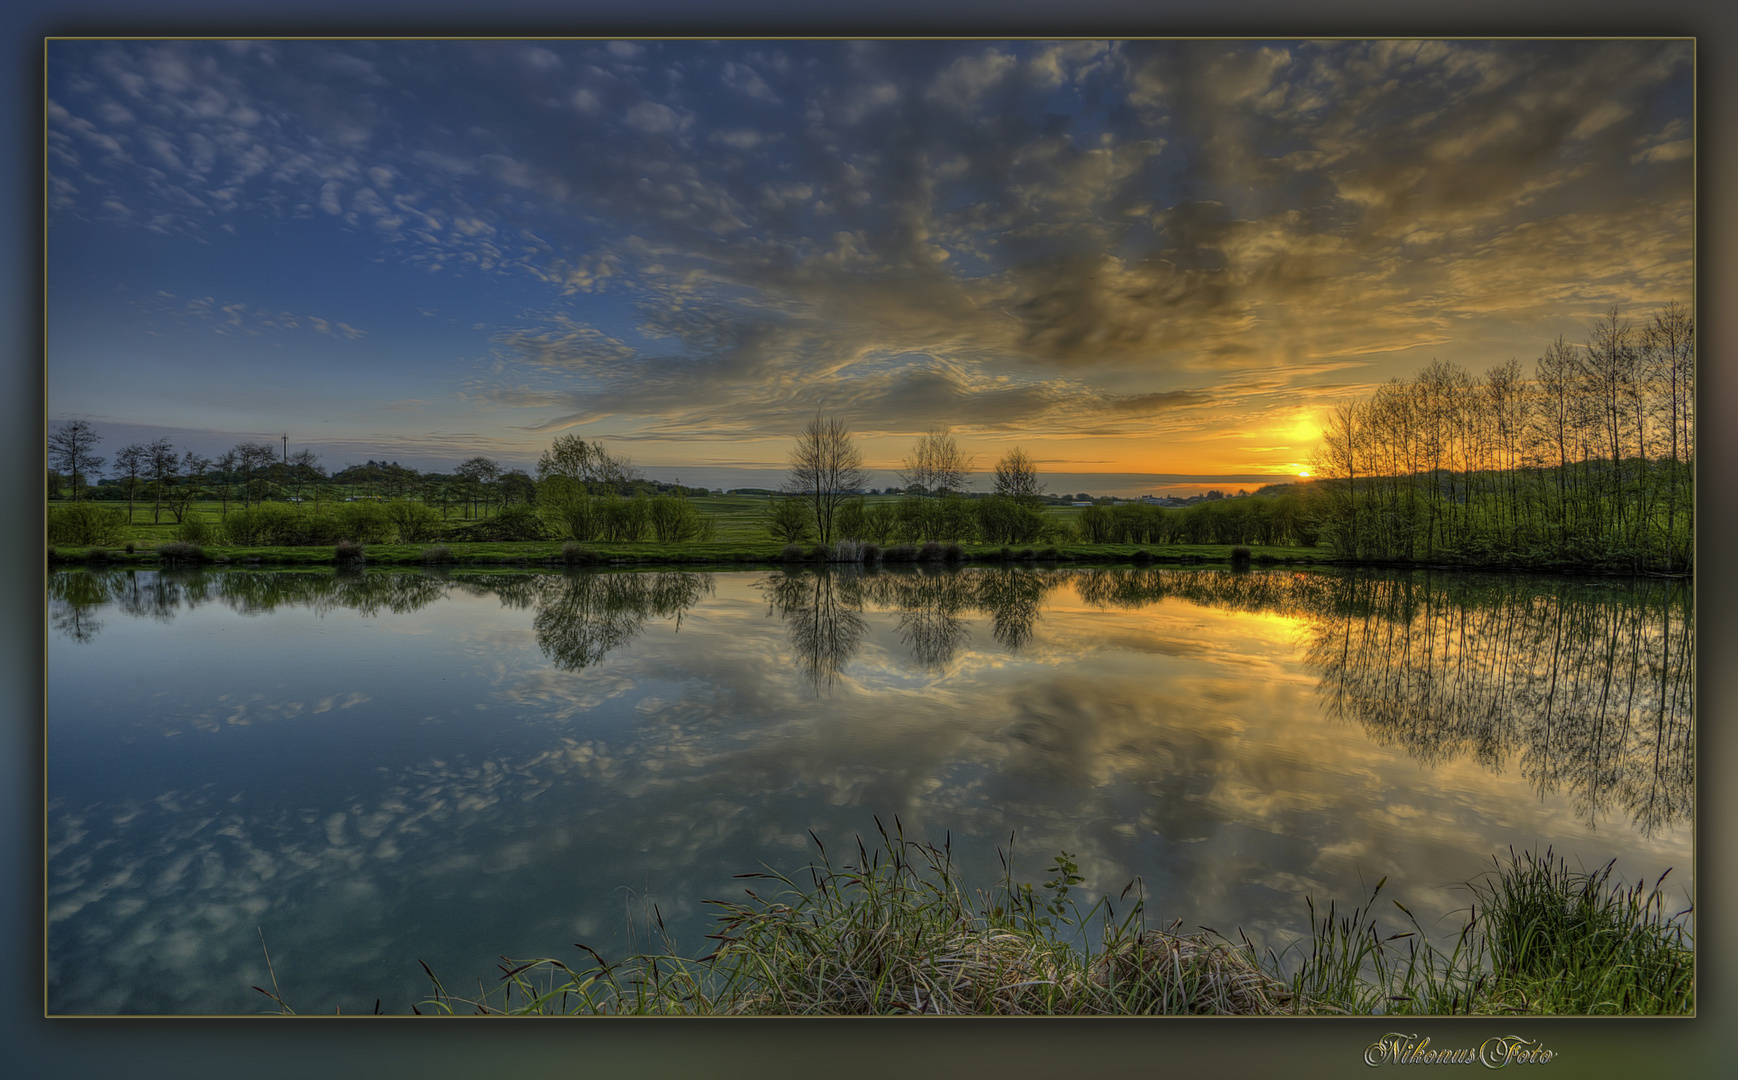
point(740, 537)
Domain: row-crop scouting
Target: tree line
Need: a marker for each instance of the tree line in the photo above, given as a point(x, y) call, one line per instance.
point(1590, 462)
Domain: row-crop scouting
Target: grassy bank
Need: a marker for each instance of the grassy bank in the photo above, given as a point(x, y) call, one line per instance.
point(891, 930)
point(693, 553)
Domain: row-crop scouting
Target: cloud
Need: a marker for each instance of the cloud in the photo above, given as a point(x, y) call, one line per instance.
point(1025, 229)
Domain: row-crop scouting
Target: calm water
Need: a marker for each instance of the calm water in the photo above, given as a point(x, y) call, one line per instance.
point(376, 769)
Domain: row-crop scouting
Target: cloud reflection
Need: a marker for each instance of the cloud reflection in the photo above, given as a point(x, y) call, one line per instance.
point(1111, 713)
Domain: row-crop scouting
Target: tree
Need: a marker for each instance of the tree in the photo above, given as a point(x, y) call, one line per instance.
point(477, 474)
point(227, 464)
point(589, 464)
point(181, 499)
point(304, 469)
point(1669, 346)
point(1016, 477)
point(936, 463)
point(826, 466)
point(517, 487)
point(253, 459)
point(165, 465)
point(132, 460)
point(71, 448)
point(787, 519)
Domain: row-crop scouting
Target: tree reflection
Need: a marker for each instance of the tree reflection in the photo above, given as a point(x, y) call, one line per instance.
point(823, 614)
point(1583, 687)
point(581, 616)
point(1588, 686)
point(823, 610)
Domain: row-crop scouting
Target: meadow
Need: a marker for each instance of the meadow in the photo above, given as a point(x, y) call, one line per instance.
point(735, 531)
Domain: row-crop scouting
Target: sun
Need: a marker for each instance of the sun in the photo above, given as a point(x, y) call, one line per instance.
point(1304, 474)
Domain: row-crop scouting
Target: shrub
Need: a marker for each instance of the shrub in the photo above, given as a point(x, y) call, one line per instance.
point(573, 554)
point(181, 551)
point(880, 522)
point(821, 553)
point(623, 520)
point(1050, 553)
point(674, 520)
point(871, 553)
point(957, 521)
point(852, 520)
point(266, 523)
point(194, 531)
point(85, 525)
point(440, 553)
point(916, 518)
point(349, 551)
point(129, 547)
point(791, 552)
point(363, 522)
point(787, 520)
point(514, 523)
point(930, 552)
point(953, 553)
point(1057, 531)
point(900, 553)
point(1003, 520)
point(415, 523)
point(569, 510)
point(1094, 524)
point(1240, 556)
point(518, 522)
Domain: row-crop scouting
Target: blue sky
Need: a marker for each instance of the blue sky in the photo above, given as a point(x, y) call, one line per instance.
point(1153, 265)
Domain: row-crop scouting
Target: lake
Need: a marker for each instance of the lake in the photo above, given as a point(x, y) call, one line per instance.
point(358, 771)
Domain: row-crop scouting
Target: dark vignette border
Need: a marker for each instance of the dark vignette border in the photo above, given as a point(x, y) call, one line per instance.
point(1277, 1048)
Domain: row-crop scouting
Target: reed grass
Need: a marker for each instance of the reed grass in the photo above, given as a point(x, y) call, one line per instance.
point(892, 931)
point(1571, 942)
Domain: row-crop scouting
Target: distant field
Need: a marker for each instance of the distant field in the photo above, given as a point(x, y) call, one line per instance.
point(739, 517)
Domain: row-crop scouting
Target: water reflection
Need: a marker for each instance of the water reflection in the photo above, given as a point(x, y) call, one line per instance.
point(1590, 687)
point(1588, 684)
point(823, 610)
point(581, 617)
point(823, 615)
point(484, 763)
point(1587, 687)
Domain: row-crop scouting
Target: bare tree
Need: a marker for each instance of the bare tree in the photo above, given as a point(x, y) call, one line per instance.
point(132, 460)
point(253, 459)
point(165, 466)
point(181, 500)
point(70, 447)
point(304, 469)
point(1669, 347)
point(826, 466)
point(1016, 477)
point(936, 463)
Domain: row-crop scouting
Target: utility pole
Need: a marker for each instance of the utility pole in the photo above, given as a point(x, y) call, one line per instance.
point(286, 448)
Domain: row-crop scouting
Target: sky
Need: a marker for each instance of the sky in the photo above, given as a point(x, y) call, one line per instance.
point(1152, 265)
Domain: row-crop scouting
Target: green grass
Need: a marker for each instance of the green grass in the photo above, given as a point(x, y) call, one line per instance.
point(740, 538)
point(892, 931)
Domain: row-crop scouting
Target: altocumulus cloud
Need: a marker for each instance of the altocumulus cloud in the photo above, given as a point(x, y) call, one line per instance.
point(1031, 234)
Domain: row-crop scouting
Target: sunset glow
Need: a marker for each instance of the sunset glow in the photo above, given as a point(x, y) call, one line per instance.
point(1152, 265)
